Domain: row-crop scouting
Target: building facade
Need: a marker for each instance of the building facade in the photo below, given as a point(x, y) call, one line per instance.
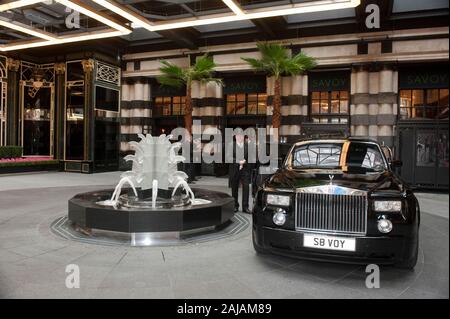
point(390, 86)
point(68, 111)
point(382, 73)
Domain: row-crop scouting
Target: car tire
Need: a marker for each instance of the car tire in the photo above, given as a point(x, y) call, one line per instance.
point(258, 249)
point(411, 262)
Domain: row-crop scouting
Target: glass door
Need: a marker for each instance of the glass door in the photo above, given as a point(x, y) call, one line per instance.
point(2, 113)
point(37, 121)
point(442, 150)
point(74, 146)
point(424, 150)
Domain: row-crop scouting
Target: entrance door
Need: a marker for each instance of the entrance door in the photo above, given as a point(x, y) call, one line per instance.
point(37, 115)
point(2, 113)
point(424, 150)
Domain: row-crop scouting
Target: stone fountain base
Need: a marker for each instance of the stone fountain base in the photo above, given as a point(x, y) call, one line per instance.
point(150, 225)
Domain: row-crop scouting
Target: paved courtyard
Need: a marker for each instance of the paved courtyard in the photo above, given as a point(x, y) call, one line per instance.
point(33, 260)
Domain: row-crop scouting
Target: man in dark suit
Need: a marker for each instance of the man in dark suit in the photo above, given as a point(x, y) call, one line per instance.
point(187, 150)
point(240, 172)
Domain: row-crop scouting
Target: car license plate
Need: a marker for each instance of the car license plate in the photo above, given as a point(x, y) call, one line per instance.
point(329, 242)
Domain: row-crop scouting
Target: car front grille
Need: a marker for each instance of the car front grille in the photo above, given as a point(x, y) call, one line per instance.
point(331, 213)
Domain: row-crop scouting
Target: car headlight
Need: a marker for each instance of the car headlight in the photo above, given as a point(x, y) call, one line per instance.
point(278, 200)
point(387, 206)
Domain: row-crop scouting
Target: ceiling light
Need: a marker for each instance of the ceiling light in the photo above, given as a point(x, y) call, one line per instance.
point(27, 29)
point(125, 12)
point(118, 28)
point(80, 7)
point(17, 4)
point(237, 14)
point(234, 7)
point(299, 8)
point(66, 39)
point(197, 22)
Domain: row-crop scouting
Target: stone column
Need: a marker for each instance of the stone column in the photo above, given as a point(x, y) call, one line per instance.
point(387, 114)
point(147, 99)
point(294, 105)
point(374, 89)
point(359, 108)
point(298, 101)
point(374, 102)
point(12, 106)
point(89, 114)
point(125, 114)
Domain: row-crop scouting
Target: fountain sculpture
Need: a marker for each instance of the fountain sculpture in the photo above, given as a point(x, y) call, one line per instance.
point(159, 202)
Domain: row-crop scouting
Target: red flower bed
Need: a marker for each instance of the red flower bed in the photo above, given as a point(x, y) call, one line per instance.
point(26, 159)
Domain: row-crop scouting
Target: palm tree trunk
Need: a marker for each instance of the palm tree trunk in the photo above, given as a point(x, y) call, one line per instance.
point(188, 109)
point(276, 118)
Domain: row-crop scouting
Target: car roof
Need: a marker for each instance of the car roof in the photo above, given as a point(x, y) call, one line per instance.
point(336, 140)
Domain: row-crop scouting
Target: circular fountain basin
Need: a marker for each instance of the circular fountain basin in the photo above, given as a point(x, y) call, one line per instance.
point(213, 209)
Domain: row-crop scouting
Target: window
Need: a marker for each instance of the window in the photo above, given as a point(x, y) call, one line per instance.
point(361, 157)
point(170, 105)
point(247, 104)
point(330, 107)
point(315, 156)
point(424, 104)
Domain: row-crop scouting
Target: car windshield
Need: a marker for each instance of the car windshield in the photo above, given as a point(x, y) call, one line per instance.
point(359, 157)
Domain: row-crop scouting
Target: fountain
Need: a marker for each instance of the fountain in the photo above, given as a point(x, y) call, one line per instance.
point(158, 206)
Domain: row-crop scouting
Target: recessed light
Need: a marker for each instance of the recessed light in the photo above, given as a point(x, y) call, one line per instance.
point(118, 29)
point(17, 4)
point(80, 7)
point(237, 13)
point(27, 29)
point(234, 7)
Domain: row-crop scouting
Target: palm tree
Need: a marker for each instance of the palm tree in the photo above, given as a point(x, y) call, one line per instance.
point(276, 61)
point(175, 76)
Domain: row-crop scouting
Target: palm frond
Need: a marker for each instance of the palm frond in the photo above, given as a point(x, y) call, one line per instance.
point(204, 64)
point(203, 70)
point(275, 60)
point(304, 61)
point(171, 75)
point(168, 81)
point(257, 65)
point(171, 69)
point(272, 51)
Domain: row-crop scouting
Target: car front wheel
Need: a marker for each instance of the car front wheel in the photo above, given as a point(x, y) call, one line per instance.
point(412, 261)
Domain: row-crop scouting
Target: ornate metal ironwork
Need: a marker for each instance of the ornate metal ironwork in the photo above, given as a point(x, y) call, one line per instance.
point(108, 73)
point(35, 76)
point(3, 67)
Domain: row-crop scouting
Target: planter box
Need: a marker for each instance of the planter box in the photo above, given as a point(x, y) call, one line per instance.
point(32, 167)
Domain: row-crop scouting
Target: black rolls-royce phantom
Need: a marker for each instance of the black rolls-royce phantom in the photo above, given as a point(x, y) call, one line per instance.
point(338, 200)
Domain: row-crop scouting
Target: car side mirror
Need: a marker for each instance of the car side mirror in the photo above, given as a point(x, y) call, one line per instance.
point(396, 163)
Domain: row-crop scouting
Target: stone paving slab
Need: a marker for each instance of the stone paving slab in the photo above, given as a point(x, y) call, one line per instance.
point(33, 260)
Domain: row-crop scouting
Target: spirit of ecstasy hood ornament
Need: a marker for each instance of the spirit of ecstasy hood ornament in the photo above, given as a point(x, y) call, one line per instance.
point(331, 179)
